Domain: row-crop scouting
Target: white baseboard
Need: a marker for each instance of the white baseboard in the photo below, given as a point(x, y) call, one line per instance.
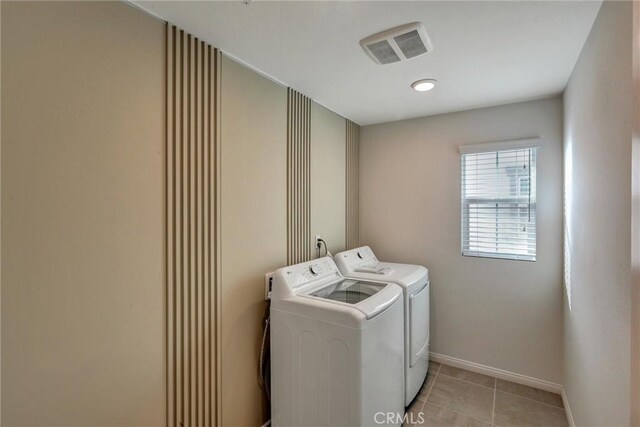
point(507, 376)
point(567, 408)
point(498, 373)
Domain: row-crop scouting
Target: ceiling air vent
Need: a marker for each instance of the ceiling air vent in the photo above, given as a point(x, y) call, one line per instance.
point(397, 44)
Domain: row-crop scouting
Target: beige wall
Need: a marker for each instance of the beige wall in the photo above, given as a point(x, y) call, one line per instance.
point(635, 226)
point(83, 228)
point(254, 228)
point(328, 157)
point(254, 218)
point(82, 225)
point(598, 128)
point(254, 215)
point(501, 313)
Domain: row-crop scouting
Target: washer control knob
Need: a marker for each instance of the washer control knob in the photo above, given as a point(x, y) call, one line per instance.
point(313, 270)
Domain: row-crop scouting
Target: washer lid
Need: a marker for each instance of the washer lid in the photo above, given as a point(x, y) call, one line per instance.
point(349, 291)
point(370, 298)
point(316, 288)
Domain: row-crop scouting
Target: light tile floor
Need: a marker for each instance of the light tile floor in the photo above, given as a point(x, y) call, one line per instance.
point(455, 397)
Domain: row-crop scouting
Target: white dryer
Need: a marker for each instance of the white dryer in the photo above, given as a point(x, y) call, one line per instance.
point(336, 356)
point(362, 264)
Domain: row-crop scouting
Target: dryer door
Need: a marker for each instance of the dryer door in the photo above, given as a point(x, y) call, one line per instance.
point(419, 323)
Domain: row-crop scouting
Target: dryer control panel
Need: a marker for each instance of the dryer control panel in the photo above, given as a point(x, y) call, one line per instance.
point(360, 260)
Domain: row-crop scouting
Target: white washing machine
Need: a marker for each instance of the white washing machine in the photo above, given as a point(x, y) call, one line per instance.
point(336, 356)
point(362, 264)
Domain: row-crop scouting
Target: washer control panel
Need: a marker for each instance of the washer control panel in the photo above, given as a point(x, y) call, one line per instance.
point(311, 271)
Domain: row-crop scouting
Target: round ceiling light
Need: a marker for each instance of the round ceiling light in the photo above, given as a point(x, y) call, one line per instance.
point(424, 85)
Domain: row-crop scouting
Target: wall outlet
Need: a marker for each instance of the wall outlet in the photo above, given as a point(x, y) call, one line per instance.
point(318, 237)
point(268, 285)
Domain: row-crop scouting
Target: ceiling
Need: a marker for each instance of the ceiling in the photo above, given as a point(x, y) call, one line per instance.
point(485, 53)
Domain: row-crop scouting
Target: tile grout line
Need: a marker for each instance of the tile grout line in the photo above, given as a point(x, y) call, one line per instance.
point(424, 402)
point(533, 400)
point(528, 398)
point(429, 391)
point(503, 391)
point(458, 413)
point(495, 392)
point(470, 382)
point(493, 410)
point(432, 384)
point(449, 409)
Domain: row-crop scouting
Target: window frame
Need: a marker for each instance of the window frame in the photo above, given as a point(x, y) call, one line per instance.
point(528, 143)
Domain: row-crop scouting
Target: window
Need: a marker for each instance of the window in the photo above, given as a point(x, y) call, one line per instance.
point(499, 200)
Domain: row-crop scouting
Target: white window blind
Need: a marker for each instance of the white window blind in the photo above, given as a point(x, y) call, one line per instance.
point(499, 203)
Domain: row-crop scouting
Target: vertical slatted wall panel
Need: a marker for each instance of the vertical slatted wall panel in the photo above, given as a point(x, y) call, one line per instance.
point(192, 225)
point(352, 174)
point(299, 245)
